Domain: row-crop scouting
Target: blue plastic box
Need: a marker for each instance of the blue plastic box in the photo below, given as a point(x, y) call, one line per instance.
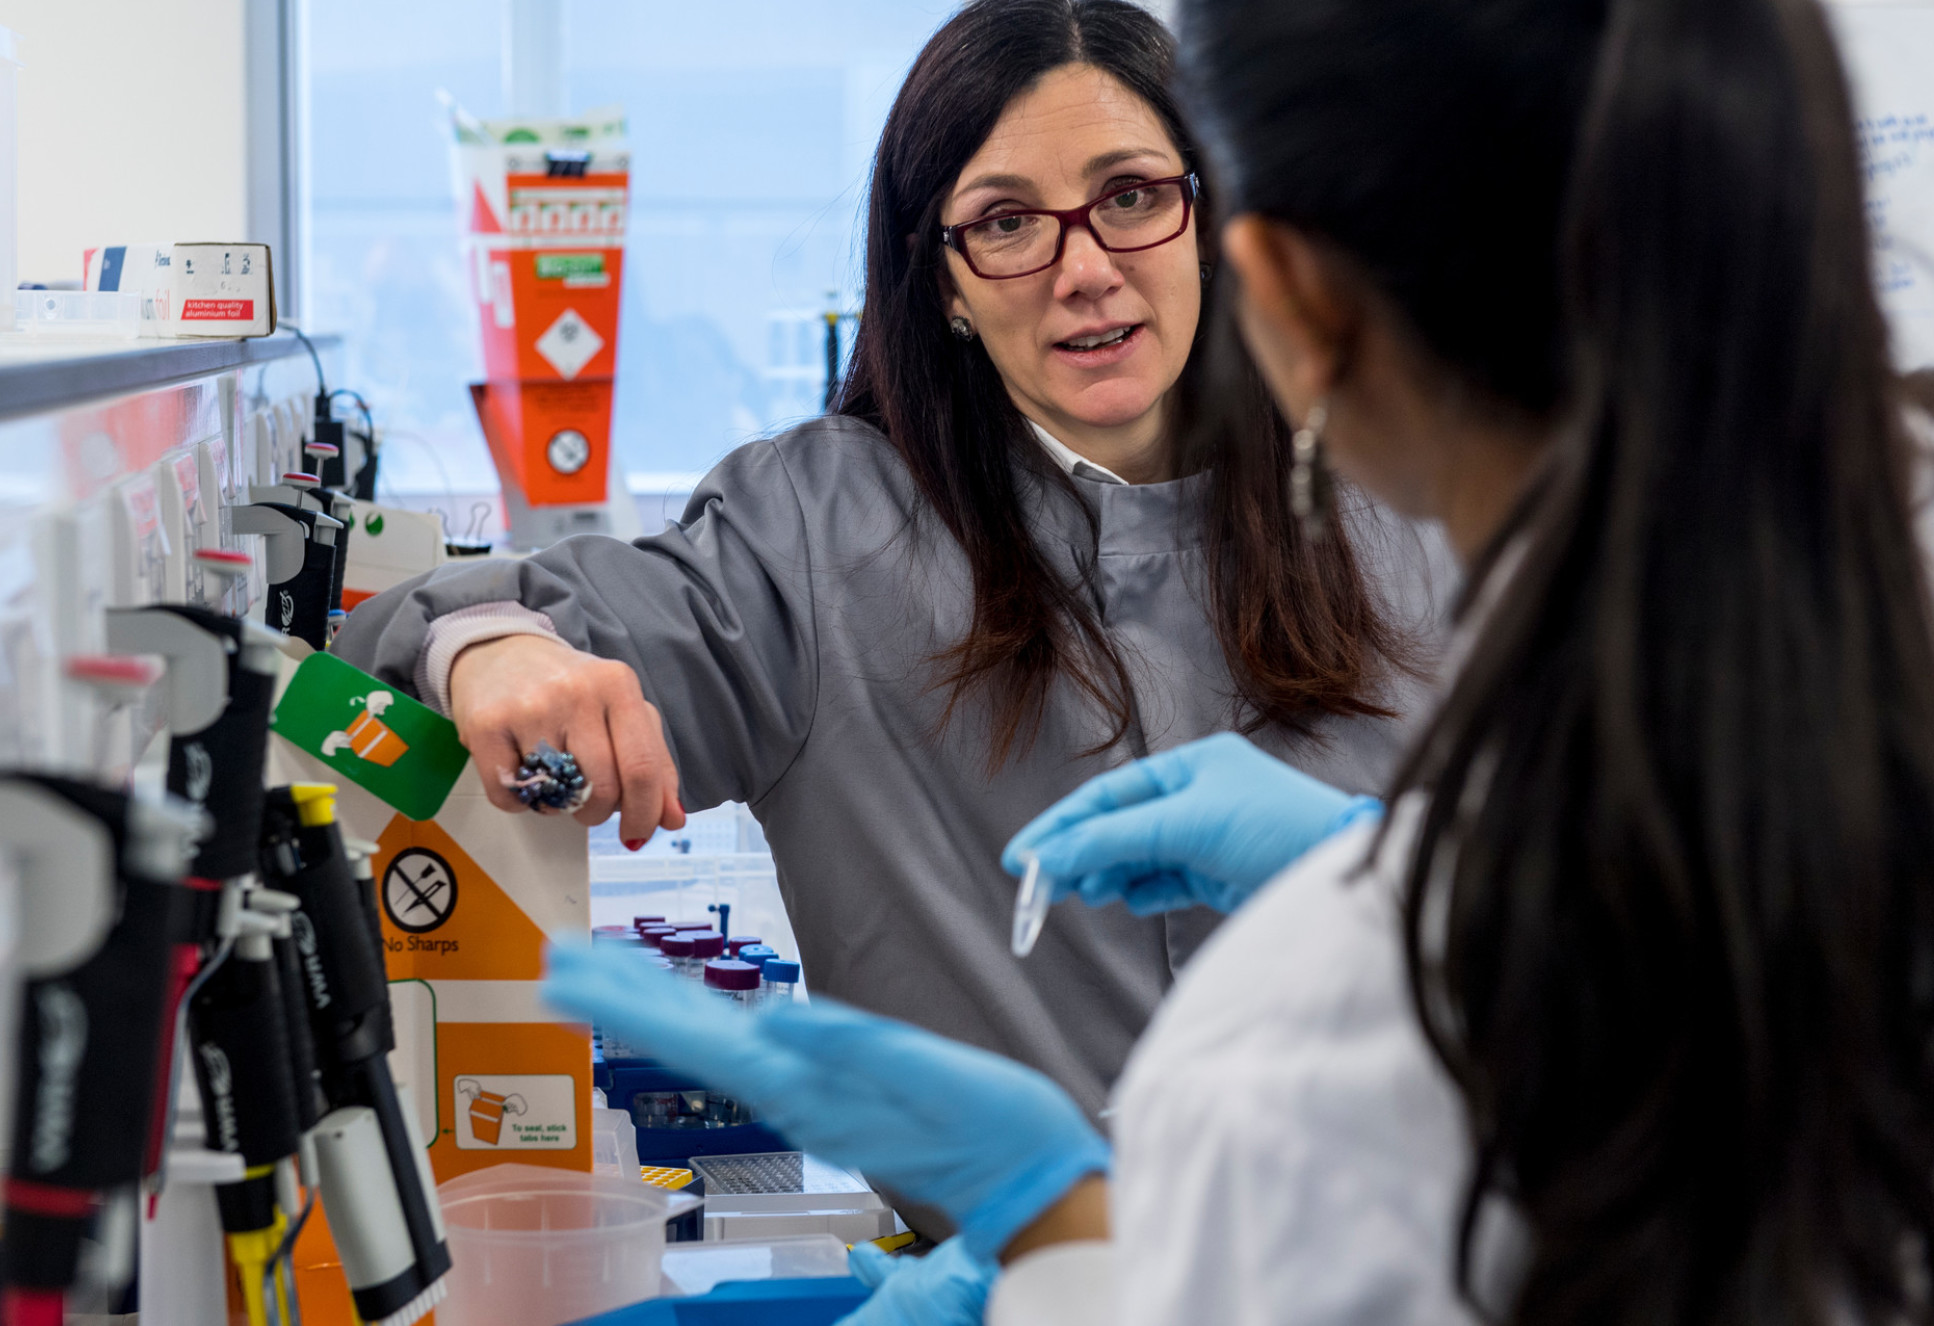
point(747, 1303)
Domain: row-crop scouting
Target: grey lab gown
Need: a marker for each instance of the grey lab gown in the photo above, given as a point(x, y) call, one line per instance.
point(784, 630)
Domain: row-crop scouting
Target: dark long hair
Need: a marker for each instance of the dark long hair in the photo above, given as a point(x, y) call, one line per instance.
point(1669, 921)
point(1298, 627)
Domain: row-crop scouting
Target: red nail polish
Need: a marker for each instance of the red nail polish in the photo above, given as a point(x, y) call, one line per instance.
point(633, 844)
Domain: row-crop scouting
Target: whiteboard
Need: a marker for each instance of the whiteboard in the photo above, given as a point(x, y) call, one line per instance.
point(1888, 46)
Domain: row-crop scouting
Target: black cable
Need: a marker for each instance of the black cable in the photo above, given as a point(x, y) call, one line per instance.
point(369, 420)
point(322, 387)
point(362, 484)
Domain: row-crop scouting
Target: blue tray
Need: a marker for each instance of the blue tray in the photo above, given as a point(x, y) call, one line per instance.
point(619, 1079)
point(747, 1303)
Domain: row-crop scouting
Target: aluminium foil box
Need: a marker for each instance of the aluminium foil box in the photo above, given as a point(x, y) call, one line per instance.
point(190, 290)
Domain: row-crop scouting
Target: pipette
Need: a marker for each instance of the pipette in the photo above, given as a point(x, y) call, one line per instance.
point(1031, 905)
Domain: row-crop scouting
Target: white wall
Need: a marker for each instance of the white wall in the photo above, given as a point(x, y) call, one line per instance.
point(1889, 49)
point(130, 125)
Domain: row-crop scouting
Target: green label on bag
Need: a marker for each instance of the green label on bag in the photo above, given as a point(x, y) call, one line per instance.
point(401, 750)
point(558, 266)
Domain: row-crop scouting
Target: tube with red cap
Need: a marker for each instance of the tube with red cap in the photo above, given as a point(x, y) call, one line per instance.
point(706, 945)
point(677, 948)
point(732, 980)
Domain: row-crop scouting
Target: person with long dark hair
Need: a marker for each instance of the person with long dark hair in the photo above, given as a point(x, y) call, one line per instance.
point(1623, 1015)
point(1034, 541)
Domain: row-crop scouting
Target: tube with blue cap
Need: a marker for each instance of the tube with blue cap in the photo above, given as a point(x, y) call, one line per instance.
point(781, 983)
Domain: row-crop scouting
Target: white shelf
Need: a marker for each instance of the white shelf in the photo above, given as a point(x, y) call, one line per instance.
point(37, 376)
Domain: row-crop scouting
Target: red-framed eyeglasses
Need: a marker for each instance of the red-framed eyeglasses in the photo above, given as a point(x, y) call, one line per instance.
point(1143, 215)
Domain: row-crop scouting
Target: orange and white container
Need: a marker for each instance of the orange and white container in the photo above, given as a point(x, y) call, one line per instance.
point(374, 740)
point(547, 203)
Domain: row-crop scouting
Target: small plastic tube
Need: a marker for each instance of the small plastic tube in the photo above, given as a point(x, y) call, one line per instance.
point(737, 942)
point(733, 980)
point(781, 983)
point(1031, 905)
point(678, 948)
point(639, 923)
point(654, 935)
point(706, 945)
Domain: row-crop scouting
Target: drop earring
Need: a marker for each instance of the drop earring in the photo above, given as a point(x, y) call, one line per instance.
point(962, 329)
point(1309, 478)
point(1207, 272)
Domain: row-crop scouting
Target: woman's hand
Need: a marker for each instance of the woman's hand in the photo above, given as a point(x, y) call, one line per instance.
point(1210, 822)
point(991, 1143)
point(508, 694)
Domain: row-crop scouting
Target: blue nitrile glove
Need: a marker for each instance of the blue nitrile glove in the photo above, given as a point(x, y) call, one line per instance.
point(991, 1143)
point(947, 1287)
point(1210, 822)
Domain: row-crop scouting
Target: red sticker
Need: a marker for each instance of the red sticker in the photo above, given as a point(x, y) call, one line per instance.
point(217, 310)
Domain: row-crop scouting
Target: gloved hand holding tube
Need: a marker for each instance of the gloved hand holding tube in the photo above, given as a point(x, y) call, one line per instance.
point(1208, 823)
point(990, 1142)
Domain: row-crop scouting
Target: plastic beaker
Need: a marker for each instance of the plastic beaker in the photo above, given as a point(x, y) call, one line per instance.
point(534, 1246)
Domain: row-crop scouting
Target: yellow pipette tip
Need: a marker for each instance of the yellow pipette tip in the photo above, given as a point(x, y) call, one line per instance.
point(315, 803)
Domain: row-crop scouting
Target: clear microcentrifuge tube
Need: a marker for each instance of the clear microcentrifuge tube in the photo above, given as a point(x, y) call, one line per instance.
point(1031, 906)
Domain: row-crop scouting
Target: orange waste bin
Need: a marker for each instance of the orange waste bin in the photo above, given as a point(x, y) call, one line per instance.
point(487, 1117)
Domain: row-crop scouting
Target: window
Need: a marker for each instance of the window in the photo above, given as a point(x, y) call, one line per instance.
point(752, 124)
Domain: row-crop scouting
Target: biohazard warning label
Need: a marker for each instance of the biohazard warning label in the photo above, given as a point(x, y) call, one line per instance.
point(569, 344)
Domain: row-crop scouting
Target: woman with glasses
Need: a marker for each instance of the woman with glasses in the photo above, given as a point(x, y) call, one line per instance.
point(1034, 542)
point(1623, 1017)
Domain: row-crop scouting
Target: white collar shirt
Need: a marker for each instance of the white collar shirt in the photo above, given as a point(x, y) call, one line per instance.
point(1073, 461)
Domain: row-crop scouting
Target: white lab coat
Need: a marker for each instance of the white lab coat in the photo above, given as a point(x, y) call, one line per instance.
point(1287, 1149)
